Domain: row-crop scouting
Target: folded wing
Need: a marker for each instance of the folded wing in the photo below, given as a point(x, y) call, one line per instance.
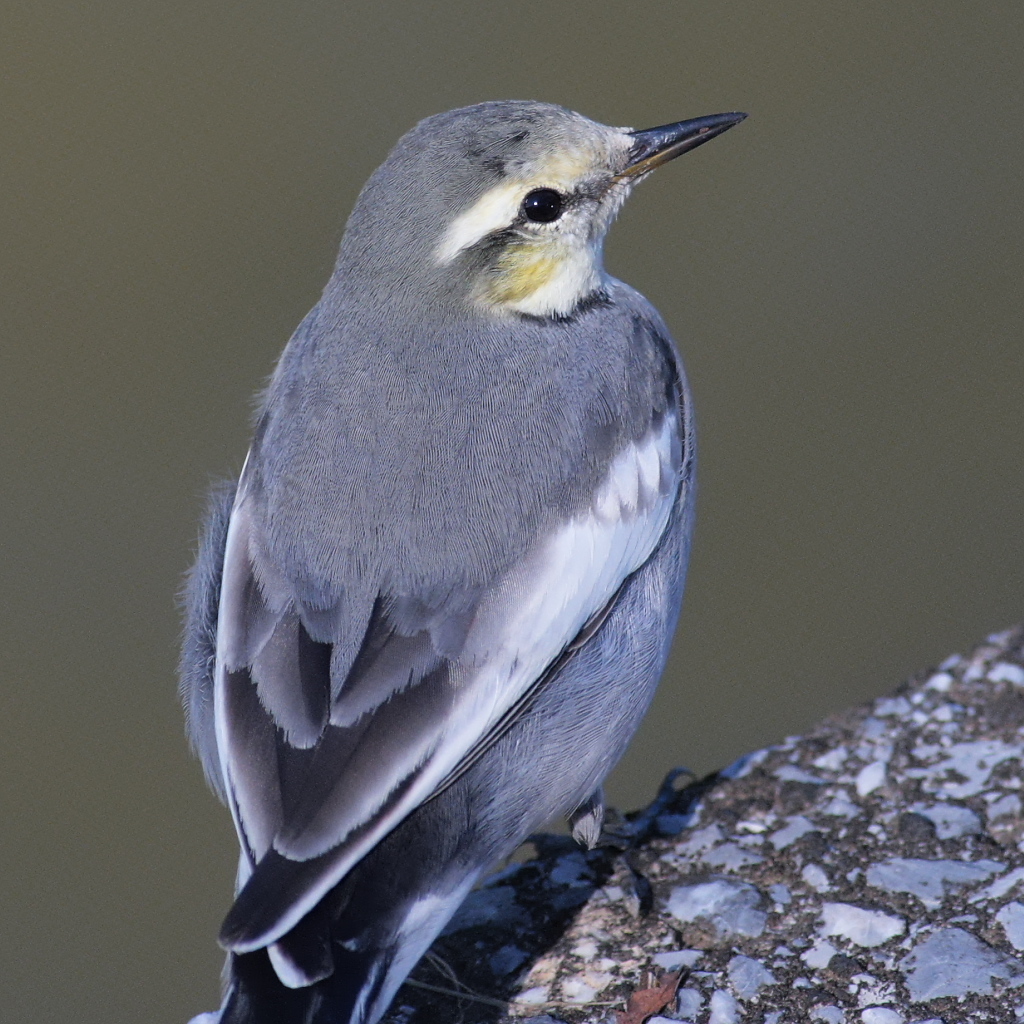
point(319, 772)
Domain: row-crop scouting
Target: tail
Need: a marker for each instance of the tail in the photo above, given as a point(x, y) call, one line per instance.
point(359, 961)
point(350, 995)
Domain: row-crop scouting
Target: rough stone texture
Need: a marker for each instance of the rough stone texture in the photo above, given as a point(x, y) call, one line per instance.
point(871, 871)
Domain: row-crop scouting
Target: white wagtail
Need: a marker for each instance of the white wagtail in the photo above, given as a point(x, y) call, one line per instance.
point(434, 608)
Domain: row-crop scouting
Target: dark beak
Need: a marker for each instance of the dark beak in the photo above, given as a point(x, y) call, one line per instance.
point(655, 146)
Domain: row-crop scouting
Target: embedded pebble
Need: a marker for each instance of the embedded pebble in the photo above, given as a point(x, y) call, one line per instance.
point(533, 996)
point(870, 777)
point(731, 857)
point(829, 1014)
point(929, 880)
point(881, 1015)
point(791, 773)
point(950, 820)
point(724, 1008)
point(743, 766)
point(748, 976)
point(897, 706)
point(576, 990)
point(940, 682)
point(673, 959)
point(1000, 887)
point(1011, 917)
point(699, 840)
point(841, 806)
point(814, 875)
point(833, 760)
point(731, 907)
point(873, 728)
point(585, 950)
point(1006, 672)
point(819, 954)
point(974, 761)
point(861, 926)
point(1005, 807)
point(688, 1003)
point(795, 828)
point(952, 962)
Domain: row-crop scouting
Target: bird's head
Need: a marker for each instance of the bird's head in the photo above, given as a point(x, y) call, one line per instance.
point(505, 205)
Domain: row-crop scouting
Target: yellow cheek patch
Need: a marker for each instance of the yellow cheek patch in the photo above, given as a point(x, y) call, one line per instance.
point(519, 274)
point(541, 280)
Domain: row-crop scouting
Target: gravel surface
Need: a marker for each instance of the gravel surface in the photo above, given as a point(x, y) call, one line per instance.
point(871, 871)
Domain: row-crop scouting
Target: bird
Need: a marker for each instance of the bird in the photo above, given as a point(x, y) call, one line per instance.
point(431, 611)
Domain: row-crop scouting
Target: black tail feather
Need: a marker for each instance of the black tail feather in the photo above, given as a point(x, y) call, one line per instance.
point(256, 995)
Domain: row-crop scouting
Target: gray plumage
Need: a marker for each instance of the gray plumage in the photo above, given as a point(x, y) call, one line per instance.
point(437, 605)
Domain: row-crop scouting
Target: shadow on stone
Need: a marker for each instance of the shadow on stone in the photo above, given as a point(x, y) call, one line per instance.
point(477, 964)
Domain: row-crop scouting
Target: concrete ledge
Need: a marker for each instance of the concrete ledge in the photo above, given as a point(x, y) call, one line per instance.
point(871, 871)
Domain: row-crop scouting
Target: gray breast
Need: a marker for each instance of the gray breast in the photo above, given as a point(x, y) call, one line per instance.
point(434, 457)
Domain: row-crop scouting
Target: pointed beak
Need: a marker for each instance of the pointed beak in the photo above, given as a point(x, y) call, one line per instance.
point(655, 146)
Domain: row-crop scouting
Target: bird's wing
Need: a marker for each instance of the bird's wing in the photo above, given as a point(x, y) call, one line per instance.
point(319, 780)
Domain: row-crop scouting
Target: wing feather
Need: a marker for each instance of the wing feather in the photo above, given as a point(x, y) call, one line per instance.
point(434, 681)
point(292, 672)
point(252, 775)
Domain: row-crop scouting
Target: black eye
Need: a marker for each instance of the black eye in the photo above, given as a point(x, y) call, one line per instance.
point(542, 205)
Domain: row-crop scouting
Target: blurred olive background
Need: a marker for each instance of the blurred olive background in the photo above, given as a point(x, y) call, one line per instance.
point(842, 273)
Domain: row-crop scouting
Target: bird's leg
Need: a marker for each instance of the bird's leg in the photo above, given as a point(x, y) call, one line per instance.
point(586, 821)
point(642, 892)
